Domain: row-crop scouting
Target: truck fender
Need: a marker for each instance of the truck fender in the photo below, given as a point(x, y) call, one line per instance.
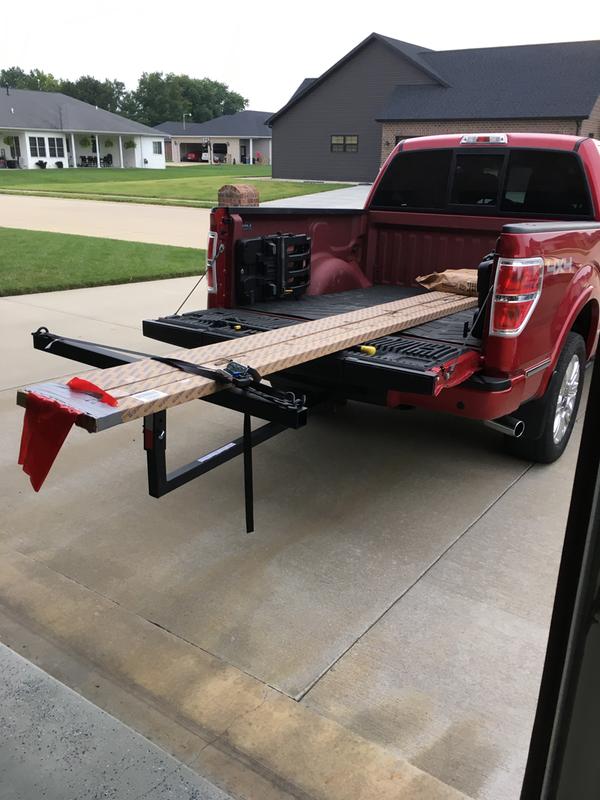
point(584, 299)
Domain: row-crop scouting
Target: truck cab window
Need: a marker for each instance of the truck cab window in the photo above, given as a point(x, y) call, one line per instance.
point(476, 179)
point(415, 180)
point(541, 182)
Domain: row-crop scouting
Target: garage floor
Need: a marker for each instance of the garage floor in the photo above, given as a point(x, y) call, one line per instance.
point(380, 635)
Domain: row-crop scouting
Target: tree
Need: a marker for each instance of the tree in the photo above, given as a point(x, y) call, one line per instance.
point(17, 78)
point(105, 94)
point(158, 97)
point(161, 97)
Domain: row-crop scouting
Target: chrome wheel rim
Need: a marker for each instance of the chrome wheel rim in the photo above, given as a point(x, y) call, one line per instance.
point(567, 396)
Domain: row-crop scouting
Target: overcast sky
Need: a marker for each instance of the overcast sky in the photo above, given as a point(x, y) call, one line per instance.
point(263, 49)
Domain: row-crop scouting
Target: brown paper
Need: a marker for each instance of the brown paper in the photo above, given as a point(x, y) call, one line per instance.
point(458, 281)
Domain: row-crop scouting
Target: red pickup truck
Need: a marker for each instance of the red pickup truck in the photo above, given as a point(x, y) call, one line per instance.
point(524, 209)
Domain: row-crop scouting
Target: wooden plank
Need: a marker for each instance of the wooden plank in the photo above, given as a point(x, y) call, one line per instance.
point(147, 386)
point(119, 376)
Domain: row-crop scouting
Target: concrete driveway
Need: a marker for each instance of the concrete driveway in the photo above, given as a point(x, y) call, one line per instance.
point(351, 197)
point(382, 633)
point(135, 222)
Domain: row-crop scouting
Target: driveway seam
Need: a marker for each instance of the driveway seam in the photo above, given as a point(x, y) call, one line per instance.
point(299, 697)
point(150, 622)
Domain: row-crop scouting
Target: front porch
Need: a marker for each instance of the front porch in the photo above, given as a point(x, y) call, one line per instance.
point(98, 151)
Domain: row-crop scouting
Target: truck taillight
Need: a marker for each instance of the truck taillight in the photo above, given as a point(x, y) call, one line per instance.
point(211, 263)
point(517, 289)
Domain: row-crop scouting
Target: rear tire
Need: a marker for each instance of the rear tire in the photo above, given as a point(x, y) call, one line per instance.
point(558, 407)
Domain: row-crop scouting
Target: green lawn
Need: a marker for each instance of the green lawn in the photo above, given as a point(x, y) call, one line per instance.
point(33, 261)
point(195, 186)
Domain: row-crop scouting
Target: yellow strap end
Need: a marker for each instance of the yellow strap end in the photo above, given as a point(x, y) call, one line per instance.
point(368, 349)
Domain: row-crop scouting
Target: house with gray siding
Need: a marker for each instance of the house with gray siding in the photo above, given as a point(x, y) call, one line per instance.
point(343, 124)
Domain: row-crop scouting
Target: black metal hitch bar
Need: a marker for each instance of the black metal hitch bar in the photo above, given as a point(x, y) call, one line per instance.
point(242, 391)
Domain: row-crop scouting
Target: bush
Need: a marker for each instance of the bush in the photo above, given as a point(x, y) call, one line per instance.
point(41, 164)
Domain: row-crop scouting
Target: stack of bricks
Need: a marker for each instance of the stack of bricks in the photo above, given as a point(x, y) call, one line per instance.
point(239, 194)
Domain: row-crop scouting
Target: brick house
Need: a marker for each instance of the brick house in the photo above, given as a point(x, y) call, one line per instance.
point(342, 125)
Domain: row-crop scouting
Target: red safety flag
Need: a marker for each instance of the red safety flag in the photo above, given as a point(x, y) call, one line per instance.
point(46, 425)
point(81, 385)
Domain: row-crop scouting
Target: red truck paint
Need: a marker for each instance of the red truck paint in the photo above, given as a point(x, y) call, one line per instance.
point(353, 250)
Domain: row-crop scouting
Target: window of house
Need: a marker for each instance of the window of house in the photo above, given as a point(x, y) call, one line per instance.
point(157, 148)
point(94, 144)
point(344, 144)
point(56, 147)
point(37, 146)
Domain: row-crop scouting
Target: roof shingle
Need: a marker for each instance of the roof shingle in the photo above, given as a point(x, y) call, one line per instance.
point(520, 81)
point(523, 81)
point(244, 123)
point(26, 109)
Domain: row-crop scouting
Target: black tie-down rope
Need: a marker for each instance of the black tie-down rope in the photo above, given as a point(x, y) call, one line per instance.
point(210, 264)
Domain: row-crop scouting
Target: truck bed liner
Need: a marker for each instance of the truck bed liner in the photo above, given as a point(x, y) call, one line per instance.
point(406, 360)
point(208, 325)
point(325, 305)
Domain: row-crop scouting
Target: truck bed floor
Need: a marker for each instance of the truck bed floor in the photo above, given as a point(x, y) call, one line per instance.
point(405, 361)
point(447, 329)
point(326, 305)
point(184, 330)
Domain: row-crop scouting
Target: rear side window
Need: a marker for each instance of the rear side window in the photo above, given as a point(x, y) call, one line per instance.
point(415, 180)
point(540, 182)
point(512, 182)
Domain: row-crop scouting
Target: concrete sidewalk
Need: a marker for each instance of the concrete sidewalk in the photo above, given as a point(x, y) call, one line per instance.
point(134, 222)
point(59, 746)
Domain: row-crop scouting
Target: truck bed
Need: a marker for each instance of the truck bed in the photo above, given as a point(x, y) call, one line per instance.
point(406, 361)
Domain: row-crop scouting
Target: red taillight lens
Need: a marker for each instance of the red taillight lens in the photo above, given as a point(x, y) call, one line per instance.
point(509, 316)
point(211, 267)
point(515, 279)
point(517, 289)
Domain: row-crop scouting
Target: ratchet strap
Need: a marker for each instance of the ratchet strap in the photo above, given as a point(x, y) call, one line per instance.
point(235, 374)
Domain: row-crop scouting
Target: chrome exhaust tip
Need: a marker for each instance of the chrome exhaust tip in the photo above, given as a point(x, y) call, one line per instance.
point(509, 426)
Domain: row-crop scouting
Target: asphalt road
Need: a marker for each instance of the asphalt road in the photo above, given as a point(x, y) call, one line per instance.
point(382, 633)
